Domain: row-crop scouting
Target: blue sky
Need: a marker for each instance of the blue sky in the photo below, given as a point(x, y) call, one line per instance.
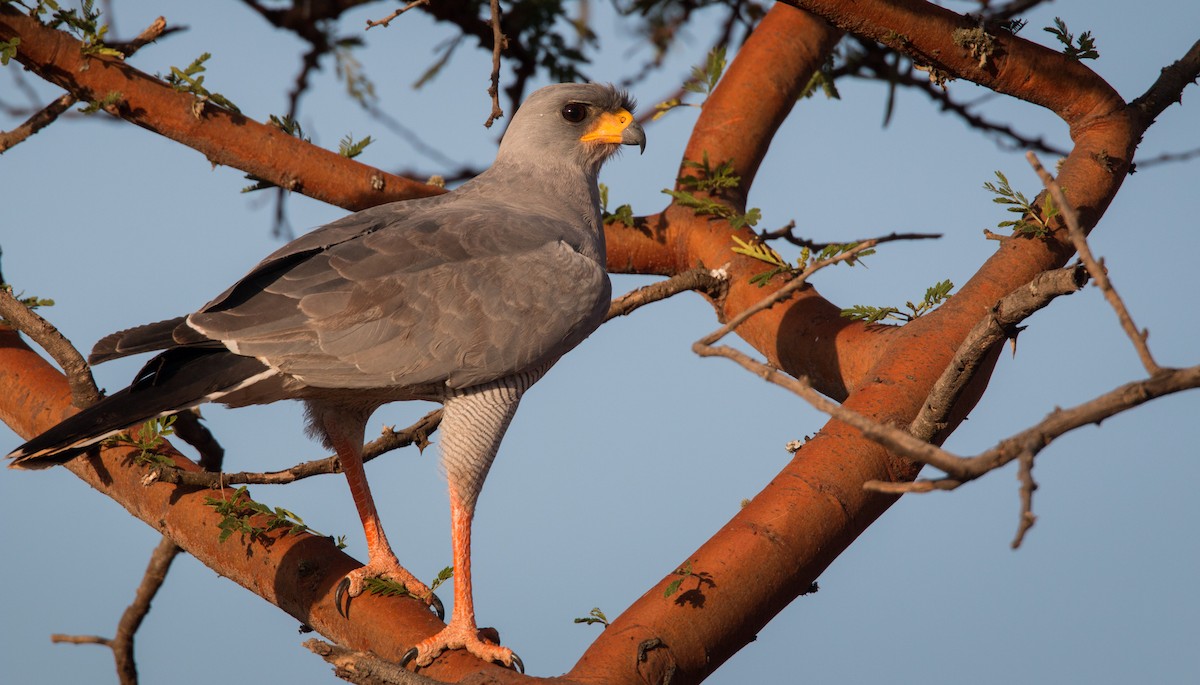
point(633, 451)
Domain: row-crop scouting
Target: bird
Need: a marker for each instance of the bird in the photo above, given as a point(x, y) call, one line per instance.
point(465, 298)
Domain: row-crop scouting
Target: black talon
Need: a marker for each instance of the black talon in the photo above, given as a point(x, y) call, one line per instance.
point(517, 665)
point(408, 656)
point(342, 591)
point(436, 605)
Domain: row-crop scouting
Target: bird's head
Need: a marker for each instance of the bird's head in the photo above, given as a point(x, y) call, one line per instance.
point(585, 123)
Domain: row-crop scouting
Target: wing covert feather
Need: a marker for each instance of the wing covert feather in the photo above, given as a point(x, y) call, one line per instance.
point(449, 297)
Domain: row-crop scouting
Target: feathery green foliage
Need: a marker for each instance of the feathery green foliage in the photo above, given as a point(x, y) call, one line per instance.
point(1019, 204)
point(149, 442)
point(1084, 49)
point(110, 98)
point(30, 301)
point(8, 49)
point(191, 80)
point(594, 616)
point(703, 81)
point(934, 295)
point(764, 253)
point(712, 180)
point(350, 149)
point(391, 588)
point(84, 24)
point(239, 513)
point(623, 213)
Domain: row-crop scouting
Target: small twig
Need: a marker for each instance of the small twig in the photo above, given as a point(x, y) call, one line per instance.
point(999, 325)
point(1167, 89)
point(1060, 421)
point(418, 434)
point(79, 375)
point(59, 638)
point(705, 280)
point(40, 120)
point(1028, 485)
point(157, 29)
point(499, 42)
point(1168, 157)
point(363, 668)
point(122, 643)
point(1094, 267)
point(798, 281)
point(372, 23)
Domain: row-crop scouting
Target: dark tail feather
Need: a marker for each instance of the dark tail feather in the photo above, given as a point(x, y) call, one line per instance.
point(174, 380)
point(150, 337)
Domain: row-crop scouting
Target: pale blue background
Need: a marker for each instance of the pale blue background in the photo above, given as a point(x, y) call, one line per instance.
point(634, 451)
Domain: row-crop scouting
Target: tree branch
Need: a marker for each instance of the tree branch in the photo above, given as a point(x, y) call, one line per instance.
point(224, 137)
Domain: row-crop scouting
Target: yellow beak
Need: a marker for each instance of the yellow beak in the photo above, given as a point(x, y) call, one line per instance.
point(609, 128)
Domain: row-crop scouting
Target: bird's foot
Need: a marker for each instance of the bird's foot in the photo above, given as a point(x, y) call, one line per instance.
point(389, 569)
point(461, 636)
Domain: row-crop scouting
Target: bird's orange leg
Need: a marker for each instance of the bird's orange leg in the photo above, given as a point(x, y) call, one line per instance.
point(381, 561)
point(461, 633)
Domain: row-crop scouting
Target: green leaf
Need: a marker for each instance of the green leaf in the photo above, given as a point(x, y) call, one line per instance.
point(350, 149)
point(8, 49)
point(1084, 49)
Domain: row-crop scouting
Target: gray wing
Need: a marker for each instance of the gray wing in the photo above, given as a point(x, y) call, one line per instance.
point(404, 296)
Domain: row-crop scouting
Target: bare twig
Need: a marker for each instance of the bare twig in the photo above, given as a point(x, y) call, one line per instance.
point(1168, 157)
point(1095, 267)
point(706, 280)
point(363, 668)
point(40, 120)
point(499, 42)
point(417, 434)
point(1028, 486)
point(83, 387)
point(122, 643)
point(1035, 438)
point(798, 281)
point(372, 23)
point(999, 325)
point(1167, 89)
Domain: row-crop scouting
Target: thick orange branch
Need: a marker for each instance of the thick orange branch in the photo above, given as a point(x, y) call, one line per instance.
point(772, 550)
point(297, 573)
point(222, 136)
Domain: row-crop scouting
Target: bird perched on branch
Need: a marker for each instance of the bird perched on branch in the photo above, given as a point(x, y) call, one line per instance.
point(466, 299)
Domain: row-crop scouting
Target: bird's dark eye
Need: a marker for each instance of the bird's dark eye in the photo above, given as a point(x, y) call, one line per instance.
point(574, 112)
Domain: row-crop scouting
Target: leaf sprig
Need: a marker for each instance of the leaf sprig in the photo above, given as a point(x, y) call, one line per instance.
point(1084, 49)
point(623, 213)
point(1019, 204)
point(703, 81)
point(594, 616)
point(84, 24)
point(713, 180)
point(934, 295)
point(238, 516)
point(191, 80)
point(149, 442)
point(765, 253)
